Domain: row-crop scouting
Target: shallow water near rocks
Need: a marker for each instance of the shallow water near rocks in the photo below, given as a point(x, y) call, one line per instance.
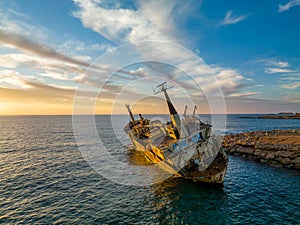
point(44, 179)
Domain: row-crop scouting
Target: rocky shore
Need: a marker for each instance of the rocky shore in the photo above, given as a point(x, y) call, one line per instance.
point(277, 148)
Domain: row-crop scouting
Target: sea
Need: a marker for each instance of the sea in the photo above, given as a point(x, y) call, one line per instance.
point(44, 179)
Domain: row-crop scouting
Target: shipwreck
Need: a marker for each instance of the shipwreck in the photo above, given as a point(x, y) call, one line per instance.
point(185, 144)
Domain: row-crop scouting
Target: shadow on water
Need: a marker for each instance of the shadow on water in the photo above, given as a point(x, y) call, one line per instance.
point(181, 201)
point(251, 194)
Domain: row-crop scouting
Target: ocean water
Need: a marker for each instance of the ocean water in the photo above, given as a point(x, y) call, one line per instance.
point(45, 180)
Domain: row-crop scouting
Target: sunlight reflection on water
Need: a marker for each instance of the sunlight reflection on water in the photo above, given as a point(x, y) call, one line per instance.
point(44, 179)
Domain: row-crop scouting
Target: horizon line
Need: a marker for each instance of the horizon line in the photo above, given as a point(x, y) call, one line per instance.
point(120, 114)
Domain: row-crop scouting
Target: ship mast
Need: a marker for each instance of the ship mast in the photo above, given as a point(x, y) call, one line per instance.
point(185, 110)
point(194, 111)
point(173, 113)
point(130, 114)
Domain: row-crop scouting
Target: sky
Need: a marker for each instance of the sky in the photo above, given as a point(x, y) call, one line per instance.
point(101, 54)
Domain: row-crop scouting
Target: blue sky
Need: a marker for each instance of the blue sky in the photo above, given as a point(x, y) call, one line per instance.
point(251, 47)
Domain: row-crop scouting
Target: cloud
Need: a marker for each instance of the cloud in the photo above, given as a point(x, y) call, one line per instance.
point(245, 94)
point(282, 64)
point(41, 67)
point(74, 48)
point(55, 75)
point(273, 66)
point(275, 63)
point(287, 6)
point(290, 81)
point(54, 99)
point(13, 79)
point(19, 23)
point(271, 62)
point(257, 105)
point(231, 81)
point(277, 70)
point(14, 60)
point(291, 86)
point(17, 34)
point(232, 19)
point(151, 21)
point(160, 13)
point(29, 46)
point(290, 77)
point(38, 93)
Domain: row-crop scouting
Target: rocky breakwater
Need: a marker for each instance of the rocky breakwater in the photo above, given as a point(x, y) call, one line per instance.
point(278, 148)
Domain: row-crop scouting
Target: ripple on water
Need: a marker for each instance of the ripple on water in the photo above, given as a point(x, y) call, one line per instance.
point(44, 179)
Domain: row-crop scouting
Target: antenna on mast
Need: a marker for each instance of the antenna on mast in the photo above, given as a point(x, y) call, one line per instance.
point(161, 88)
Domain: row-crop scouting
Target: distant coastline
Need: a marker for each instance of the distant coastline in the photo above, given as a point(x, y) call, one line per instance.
point(281, 115)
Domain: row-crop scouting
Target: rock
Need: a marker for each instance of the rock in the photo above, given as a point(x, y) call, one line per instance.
point(257, 152)
point(270, 155)
point(263, 160)
point(256, 158)
point(288, 166)
point(297, 166)
point(276, 165)
point(296, 160)
point(285, 161)
point(286, 154)
point(277, 148)
point(250, 157)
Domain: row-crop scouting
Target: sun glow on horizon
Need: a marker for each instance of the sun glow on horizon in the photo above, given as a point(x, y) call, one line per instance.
point(43, 61)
